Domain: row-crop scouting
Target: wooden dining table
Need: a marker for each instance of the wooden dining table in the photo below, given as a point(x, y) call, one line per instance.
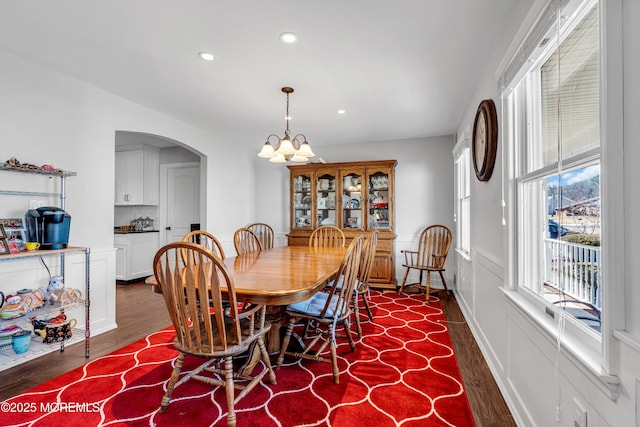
point(278, 277)
point(282, 275)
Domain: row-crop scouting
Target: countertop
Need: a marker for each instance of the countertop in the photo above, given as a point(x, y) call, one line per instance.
point(116, 231)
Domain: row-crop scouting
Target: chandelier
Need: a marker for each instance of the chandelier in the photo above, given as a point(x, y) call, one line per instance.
point(295, 149)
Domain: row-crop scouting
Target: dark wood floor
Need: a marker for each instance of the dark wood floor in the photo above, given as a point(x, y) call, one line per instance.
point(487, 404)
point(485, 399)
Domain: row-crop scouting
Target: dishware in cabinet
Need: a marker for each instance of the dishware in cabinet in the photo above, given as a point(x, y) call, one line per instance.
point(351, 198)
point(326, 197)
point(380, 209)
point(301, 200)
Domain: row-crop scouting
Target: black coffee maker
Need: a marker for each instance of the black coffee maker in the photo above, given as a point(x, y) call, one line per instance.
point(48, 226)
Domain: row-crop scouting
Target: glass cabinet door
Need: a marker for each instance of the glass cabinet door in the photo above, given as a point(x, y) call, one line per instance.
point(352, 200)
point(301, 201)
point(326, 189)
point(379, 200)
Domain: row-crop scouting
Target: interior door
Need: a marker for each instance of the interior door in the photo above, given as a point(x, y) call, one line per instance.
point(181, 191)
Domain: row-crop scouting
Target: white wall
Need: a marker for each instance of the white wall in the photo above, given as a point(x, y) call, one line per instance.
point(521, 355)
point(47, 117)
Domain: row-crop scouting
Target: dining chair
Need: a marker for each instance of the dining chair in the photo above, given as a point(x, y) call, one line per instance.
point(323, 312)
point(193, 295)
point(246, 241)
point(206, 239)
point(327, 236)
point(264, 233)
point(364, 272)
point(433, 247)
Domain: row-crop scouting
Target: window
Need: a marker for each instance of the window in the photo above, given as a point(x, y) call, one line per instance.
point(463, 202)
point(553, 114)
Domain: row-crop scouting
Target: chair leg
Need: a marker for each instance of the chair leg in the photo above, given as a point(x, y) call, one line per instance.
point(285, 342)
point(356, 312)
point(444, 282)
point(267, 361)
point(175, 374)
point(428, 285)
point(347, 331)
point(367, 306)
point(230, 391)
point(334, 355)
point(404, 279)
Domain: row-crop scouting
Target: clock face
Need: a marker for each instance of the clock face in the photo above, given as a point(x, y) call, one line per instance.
point(481, 140)
point(485, 140)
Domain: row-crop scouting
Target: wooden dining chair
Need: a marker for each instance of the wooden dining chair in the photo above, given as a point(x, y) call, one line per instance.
point(323, 312)
point(327, 236)
point(246, 241)
point(264, 233)
point(364, 272)
point(433, 247)
point(206, 239)
point(194, 299)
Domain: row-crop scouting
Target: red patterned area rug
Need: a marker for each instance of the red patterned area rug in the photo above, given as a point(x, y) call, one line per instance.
point(403, 372)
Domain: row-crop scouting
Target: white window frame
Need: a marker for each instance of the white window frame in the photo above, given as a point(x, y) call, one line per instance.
point(462, 182)
point(593, 355)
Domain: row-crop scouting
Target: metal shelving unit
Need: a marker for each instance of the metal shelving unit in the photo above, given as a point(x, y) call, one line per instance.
point(7, 357)
point(62, 174)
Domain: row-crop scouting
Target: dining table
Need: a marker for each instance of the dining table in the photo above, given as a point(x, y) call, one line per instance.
point(278, 277)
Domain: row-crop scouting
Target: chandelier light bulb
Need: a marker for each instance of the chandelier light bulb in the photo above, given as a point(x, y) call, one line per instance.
point(267, 151)
point(286, 147)
point(305, 150)
point(298, 158)
point(278, 158)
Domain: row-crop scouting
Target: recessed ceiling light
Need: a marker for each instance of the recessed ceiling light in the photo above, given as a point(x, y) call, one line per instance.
point(342, 111)
point(206, 56)
point(288, 37)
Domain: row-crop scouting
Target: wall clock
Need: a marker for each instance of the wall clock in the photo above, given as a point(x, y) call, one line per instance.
point(484, 144)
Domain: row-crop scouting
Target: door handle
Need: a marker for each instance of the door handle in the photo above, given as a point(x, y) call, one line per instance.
point(168, 228)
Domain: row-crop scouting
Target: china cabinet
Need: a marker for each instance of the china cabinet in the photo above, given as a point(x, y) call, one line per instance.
point(37, 348)
point(137, 176)
point(356, 197)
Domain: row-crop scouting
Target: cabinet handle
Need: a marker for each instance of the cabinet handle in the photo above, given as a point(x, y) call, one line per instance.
point(168, 228)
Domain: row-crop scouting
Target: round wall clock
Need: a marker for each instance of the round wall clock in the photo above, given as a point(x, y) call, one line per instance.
point(484, 144)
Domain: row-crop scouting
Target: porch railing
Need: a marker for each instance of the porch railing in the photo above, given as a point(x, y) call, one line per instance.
point(574, 269)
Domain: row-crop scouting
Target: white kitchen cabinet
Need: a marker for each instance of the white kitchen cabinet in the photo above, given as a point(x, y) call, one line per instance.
point(134, 254)
point(137, 176)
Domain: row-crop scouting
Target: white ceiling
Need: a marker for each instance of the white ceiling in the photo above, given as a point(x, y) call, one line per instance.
point(400, 68)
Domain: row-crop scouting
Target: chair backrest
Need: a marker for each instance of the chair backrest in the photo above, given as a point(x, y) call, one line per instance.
point(246, 241)
point(264, 233)
point(327, 236)
point(206, 239)
point(433, 247)
point(366, 263)
point(193, 296)
point(344, 281)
